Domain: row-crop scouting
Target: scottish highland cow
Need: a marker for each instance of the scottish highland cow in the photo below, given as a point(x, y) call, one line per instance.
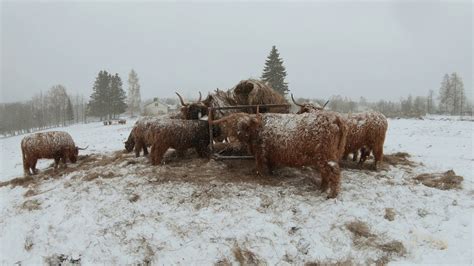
point(292, 140)
point(179, 135)
point(136, 139)
point(55, 145)
point(246, 92)
point(366, 132)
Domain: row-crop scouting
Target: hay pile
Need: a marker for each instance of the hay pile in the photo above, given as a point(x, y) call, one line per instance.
point(443, 181)
point(252, 92)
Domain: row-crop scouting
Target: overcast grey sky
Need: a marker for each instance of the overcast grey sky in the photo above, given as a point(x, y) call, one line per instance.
point(371, 49)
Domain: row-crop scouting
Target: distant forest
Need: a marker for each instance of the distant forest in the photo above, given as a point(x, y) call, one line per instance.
point(57, 108)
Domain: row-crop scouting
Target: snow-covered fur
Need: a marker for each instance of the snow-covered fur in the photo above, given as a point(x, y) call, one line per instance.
point(57, 145)
point(177, 134)
point(293, 140)
point(367, 132)
point(136, 139)
point(246, 92)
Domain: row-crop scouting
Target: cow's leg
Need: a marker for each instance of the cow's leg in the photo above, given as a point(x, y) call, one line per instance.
point(378, 155)
point(365, 152)
point(261, 164)
point(137, 148)
point(26, 167)
point(202, 149)
point(355, 154)
point(56, 162)
point(332, 174)
point(64, 161)
point(157, 152)
point(145, 150)
point(33, 166)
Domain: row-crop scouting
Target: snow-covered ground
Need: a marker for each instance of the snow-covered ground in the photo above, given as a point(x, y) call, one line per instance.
point(196, 211)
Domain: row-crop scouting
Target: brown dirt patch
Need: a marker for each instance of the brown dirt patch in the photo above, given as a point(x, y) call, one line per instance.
point(444, 181)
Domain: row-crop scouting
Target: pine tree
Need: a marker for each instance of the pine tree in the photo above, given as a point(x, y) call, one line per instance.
point(274, 72)
point(134, 98)
point(100, 96)
point(117, 96)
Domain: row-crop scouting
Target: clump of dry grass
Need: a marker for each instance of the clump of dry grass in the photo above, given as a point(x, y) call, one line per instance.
point(359, 229)
point(223, 262)
point(389, 214)
point(363, 237)
point(31, 205)
point(347, 262)
point(398, 158)
point(19, 181)
point(444, 181)
point(393, 247)
point(89, 176)
point(246, 257)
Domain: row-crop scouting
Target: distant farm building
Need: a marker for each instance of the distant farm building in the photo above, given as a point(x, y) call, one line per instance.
point(156, 108)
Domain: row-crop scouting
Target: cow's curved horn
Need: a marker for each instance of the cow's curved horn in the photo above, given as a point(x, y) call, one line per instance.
point(325, 104)
point(181, 99)
point(293, 99)
point(83, 148)
point(200, 97)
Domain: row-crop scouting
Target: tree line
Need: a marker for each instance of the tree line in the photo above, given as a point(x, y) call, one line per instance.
point(52, 109)
point(451, 100)
point(57, 108)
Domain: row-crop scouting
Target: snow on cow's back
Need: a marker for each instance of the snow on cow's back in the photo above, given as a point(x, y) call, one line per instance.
point(288, 126)
point(53, 139)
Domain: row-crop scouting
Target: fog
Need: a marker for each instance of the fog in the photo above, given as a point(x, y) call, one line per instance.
point(372, 49)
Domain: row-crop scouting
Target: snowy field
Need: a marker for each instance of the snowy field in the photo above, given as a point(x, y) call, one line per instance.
point(113, 208)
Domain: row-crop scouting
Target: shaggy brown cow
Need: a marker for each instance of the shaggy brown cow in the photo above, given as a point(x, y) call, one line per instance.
point(136, 137)
point(246, 92)
point(292, 140)
point(57, 145)
point(179, 135)
point(366, 133)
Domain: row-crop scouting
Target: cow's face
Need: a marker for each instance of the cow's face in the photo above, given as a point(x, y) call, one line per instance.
point(73, 155)
point(194, 111)
point(246, 127)
point(129, 144)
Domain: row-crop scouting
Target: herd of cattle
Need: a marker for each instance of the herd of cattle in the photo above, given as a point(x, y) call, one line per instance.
point(311, 137)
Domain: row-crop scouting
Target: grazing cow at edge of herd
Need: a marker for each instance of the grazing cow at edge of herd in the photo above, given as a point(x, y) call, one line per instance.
point(57, 145)
point(164, 132)
point(292, 140)
point(367, 132)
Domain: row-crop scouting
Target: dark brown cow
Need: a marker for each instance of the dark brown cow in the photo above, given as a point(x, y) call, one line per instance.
point(178, 134)
point(57, 145)
point(292, 140)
